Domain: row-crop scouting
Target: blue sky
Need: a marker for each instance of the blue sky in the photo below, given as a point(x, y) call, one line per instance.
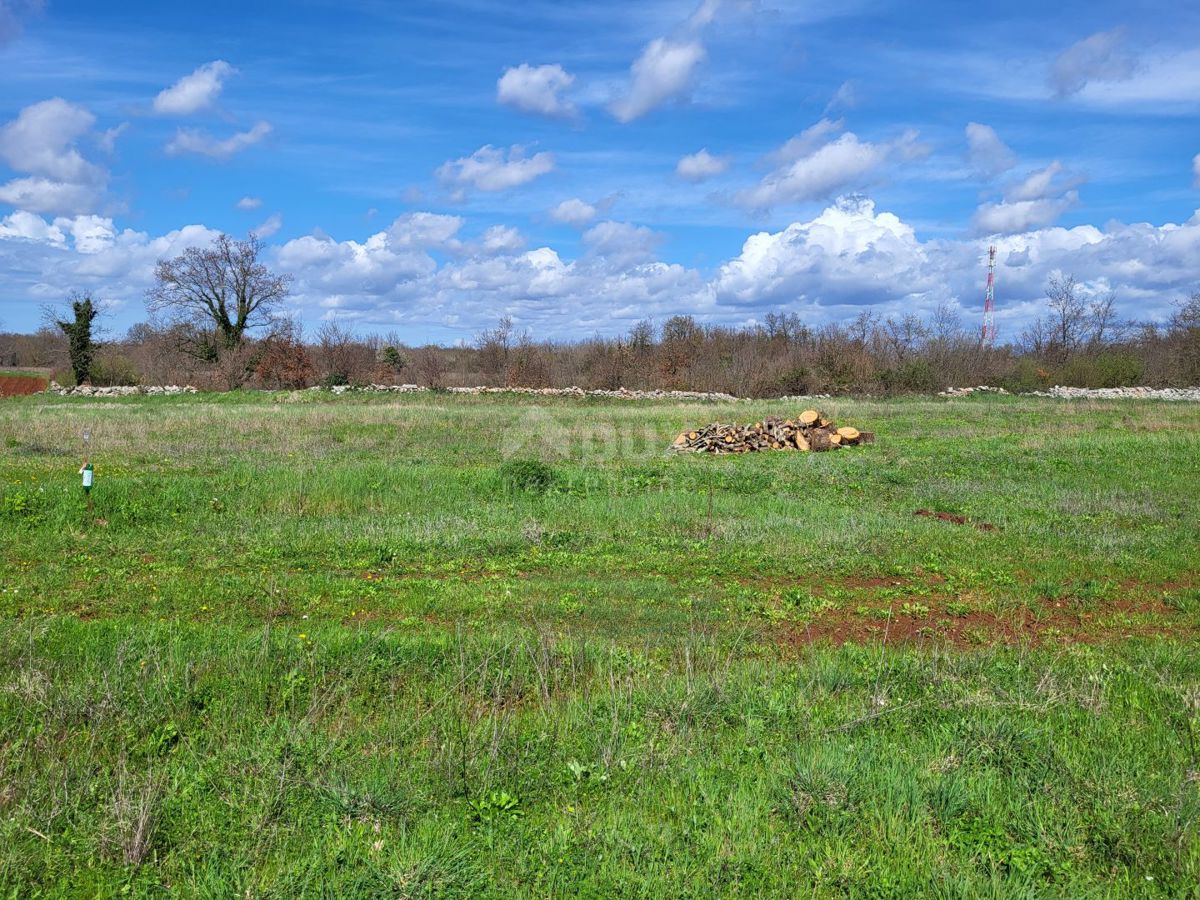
point(428, 167)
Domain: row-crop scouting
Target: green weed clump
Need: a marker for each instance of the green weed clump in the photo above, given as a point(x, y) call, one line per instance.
point(529, 476)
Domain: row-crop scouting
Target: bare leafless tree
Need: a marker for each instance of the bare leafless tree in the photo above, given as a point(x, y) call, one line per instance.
point(679, 344)
point(904, 336)
point(431, 366)
point(337, 351)
point(529, 365)
point(221, 292)
point(1184, 339)
point(1074, 324)
point(495, 346)
point(946, 324)
point(862, 326)
point(1186, 316)
point(1103, 326)
point(783, 326)
point(1068, 313)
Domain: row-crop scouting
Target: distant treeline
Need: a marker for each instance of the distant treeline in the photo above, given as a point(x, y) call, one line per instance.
point(1077, 342)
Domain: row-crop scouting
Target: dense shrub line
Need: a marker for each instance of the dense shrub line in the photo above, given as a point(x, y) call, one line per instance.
point(1074, 345)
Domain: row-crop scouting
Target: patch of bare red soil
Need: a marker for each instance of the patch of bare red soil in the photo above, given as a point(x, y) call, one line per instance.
point(19, 385)
point(955, 520)
point(1056, 625)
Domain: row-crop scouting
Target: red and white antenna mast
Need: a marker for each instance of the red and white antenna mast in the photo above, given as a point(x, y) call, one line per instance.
point(988, 336)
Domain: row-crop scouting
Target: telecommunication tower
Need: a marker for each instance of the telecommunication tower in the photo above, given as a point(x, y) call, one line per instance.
point(988, 336)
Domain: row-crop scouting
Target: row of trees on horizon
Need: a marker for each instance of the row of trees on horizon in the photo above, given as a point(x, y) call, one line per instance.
point(216, 323)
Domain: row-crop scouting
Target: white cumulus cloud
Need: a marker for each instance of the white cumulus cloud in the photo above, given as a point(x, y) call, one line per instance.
point(536, 89)
point(417, 272)
point(1099, 57)
point(270, 227)
point(333, 269)
point(1037, 200)
point(1196, 170)
point(22, 225)
point(701, 166)
point(848, 254)
point(107, 139)
point(194, 92)
point(95, 256)
point(704, 14)
point(192, 140)
point(806, 142)
point(1164, 81)
point(91, 234)
point(661, 73)
point(1036, 185)
point(42, 195)
point(502, 239)
point(1011, 216)
point(573, 212)
point(41, 142)
point(494, 169)
point(852, 256)
point(621, 244)
point(813, 167)
point(394, 263)
point(988, 155)
point(249, 203)
point(845, 97)
point(424, 229)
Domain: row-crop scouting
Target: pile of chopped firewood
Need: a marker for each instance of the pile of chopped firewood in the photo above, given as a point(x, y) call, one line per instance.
point(808, 431)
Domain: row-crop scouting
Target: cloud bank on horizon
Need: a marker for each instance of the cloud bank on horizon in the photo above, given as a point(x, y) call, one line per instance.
point(604, 164)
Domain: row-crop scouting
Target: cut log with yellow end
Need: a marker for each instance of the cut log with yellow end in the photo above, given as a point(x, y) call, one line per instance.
point(801, 441)
point(809, 416)
point(848, 433)
point(835, 439)
point(681, 440)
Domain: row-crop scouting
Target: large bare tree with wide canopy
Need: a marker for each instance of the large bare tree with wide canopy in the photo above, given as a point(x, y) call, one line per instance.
point(219, 293)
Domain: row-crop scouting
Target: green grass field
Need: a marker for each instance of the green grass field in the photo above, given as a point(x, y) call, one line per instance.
point(366, 646)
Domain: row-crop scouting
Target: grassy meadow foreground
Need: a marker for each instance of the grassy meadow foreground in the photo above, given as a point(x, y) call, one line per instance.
point(489, 646)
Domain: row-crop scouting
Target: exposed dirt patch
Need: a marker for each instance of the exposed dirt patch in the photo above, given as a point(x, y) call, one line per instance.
point(818, 584)
point(20, 385)
point(873, 583)
point(1133, 585)
point(955, 520)
point(1058, 623)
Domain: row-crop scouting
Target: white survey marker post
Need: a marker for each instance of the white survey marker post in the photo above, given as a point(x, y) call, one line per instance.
point(86, 470)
